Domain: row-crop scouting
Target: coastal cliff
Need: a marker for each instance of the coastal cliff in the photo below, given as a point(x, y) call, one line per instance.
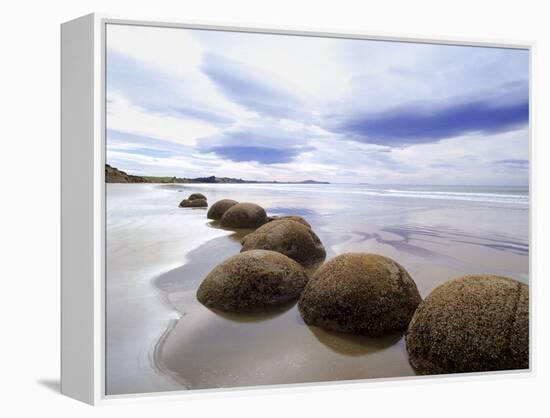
point(114, 175)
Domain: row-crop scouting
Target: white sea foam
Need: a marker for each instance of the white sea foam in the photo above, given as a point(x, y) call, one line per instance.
point(486, 194)
point(446, 195)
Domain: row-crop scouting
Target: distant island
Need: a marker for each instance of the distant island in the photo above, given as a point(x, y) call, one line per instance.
point(114, 175)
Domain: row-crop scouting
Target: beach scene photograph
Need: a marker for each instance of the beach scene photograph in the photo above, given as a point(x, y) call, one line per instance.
point(286, 209)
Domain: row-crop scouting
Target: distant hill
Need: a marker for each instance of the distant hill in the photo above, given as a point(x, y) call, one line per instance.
point(114, 175)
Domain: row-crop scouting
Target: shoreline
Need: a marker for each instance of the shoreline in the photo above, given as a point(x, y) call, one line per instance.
point(307, 346)
point(432, 239)
point(142, 245)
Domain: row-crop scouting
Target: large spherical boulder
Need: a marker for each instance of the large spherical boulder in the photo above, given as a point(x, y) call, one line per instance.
point(244, 215)
point(287, 237)
point(196, 203)
point(291, 218)
point(217, 210)
point(195, 196)
point(252, 282)
point(360, 293)
point(471, 324)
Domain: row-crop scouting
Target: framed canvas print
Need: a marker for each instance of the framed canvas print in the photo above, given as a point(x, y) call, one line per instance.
point(256, 207)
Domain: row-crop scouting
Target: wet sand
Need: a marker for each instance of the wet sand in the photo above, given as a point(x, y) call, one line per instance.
point(144, 239)
point(210, 348)
point(170, 341)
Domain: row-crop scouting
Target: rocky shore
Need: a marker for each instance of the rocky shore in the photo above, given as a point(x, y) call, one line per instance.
point(474, 323)
point(162, 337)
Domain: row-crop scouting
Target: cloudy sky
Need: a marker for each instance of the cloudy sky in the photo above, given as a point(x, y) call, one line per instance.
point(192, 103)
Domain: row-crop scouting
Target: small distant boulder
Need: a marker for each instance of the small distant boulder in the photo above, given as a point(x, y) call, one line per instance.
point(360, 293)
point(471, 324)
point(195, 203)
point(288, 237)
point(291, 218)
point(217, 210)
point(197, 196)
point(195, 200)
point(251, 282)
point(244, 215)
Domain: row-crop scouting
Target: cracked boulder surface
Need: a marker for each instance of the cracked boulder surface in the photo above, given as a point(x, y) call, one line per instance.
point(360, 293)
point(289, 237)
point(471, 324)
point(254, 281)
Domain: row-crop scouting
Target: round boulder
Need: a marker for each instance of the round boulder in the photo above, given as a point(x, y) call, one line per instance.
point(360, 293)
point(217, 210)
point(288, 237)
point(244, 215)
point(196, 203)
point(289, 218)
point(252, 282)
point(196, 196)
point(471, 324)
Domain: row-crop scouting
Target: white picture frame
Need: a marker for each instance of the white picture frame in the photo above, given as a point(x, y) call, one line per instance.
point(83, 201)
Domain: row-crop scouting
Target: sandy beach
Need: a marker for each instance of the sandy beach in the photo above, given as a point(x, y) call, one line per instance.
point(159, 337)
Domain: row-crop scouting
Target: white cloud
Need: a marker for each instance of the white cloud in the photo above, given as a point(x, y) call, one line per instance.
point(480, 148)
point(125, 117)
point(176, 57)
point(330, 77)
point(308, 64)
point(170, 50)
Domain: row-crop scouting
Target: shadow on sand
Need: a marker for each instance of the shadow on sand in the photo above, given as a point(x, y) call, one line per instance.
point(255, 316)
point(354, 345)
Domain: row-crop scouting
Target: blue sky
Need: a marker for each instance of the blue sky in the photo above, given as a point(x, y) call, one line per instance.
point(192, 103)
